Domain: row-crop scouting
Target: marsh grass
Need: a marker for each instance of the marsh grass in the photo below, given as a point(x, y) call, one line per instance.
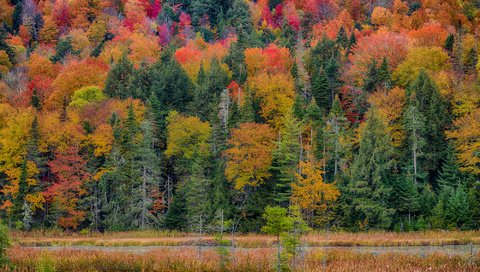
point(165, 238)
point(175, 259)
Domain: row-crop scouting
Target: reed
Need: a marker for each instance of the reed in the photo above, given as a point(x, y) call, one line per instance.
point(173, 260)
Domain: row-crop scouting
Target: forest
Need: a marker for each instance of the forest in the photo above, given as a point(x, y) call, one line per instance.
point(355, 115)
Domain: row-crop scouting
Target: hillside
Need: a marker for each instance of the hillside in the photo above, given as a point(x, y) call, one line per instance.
point(196, 115)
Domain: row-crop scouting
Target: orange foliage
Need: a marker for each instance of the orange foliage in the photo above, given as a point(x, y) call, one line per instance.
point(250, 155)
point(382, 44)
point(429, 35)
point(197, 52)
point(75, 75)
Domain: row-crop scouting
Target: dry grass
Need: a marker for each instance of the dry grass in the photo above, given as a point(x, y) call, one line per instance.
point(158, 238)
point(171, 260)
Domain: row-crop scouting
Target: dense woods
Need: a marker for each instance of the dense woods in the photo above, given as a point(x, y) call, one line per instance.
point(197, 115)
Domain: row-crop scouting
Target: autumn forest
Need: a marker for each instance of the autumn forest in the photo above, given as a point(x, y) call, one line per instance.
point(353, 115)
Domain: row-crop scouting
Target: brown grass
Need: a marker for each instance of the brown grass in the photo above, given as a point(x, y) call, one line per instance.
point(158, 238)
point(171, 260)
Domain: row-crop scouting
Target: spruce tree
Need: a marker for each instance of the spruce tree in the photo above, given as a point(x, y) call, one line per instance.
point(449, 42)
point(342, 39)
point(321, 90)
point(371, 79)
point(118, 80)
point(285, 161)
point(430, 103)
point(372, 175)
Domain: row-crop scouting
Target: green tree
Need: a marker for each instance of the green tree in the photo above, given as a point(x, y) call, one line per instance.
point(321, 90)
point(285, 160)
point(4, 244)
point(277, 223)
point(372, 174)
point(119, 77)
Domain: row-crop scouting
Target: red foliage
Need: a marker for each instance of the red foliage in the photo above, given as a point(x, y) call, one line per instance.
point(70, 171)
point(62, 15)
point(152, 8)
point(353, 104)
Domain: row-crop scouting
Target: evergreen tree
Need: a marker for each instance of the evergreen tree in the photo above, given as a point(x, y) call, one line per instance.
point(118, 80)
point(5, 46)
point(430, 103)
point(372, 175)
point(371, 79)
point(334, 131)
point(321, 90)
point(414, 125)
point(342, 39)
point(449, 42)
point(35, 100)
point(407, 196)
point(384, 76)
point(285, 161)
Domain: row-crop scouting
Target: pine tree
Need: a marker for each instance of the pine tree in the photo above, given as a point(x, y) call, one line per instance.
point(285, 160)
point(430, 103)
point(5, 46)
point(371, 79)
point(414, 125)
point(449, 42)
point(321, 90)
point(342, 39)
point(148, 162)
point(35, 100)
point(118, 80)
point(450, 175)
point(384, 76)
point(407, 196)
point(372, 176)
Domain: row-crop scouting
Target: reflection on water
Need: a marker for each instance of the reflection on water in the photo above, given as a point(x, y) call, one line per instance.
point(418, 250)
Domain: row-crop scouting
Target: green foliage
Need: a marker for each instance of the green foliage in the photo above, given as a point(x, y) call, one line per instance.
point(86, 95)
point(4, 244)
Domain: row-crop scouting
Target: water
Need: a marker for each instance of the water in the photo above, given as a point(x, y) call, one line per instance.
point(417, 250)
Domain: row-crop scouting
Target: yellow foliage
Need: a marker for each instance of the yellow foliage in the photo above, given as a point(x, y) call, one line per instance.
point(250, 155)
point(187, 136)
point(389, 107)
point(432, 59)
point(309, 192)
point(466, 134)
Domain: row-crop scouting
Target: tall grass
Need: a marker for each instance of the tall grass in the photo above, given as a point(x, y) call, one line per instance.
point(164, 238)
point(172, 260)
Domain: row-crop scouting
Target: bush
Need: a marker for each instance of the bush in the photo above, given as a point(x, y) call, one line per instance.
point(4, 244)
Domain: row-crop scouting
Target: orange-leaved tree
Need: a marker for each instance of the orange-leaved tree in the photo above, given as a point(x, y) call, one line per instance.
point(250, 155)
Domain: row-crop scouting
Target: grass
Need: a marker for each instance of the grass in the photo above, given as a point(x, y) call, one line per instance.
point(162, 238)
point(260, 259)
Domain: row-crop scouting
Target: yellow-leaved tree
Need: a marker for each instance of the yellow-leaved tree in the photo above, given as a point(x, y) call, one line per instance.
point(250, 155)
point(315, 197)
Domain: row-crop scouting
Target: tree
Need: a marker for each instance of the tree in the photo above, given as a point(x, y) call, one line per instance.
point(249, 156)
point(466, 135)
point(432, 106)
point(414, 124)
point(277, 223)
point(285, 160)
point(427, 59)
point(4, 244)
point(321, 90)
point(118, 79)
point(69, 169)
point(188, 137)
point(86, 95)
point(312, 195)
point(372, 175)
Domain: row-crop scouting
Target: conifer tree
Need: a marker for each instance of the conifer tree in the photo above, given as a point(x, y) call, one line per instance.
point(372, 176)
point(118, 80)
